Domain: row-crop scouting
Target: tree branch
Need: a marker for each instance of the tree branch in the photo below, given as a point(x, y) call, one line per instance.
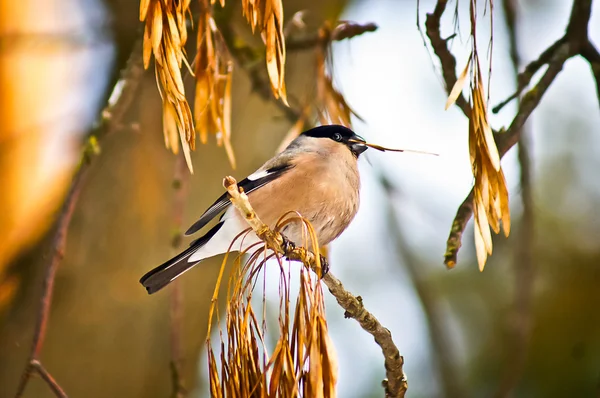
point(591, 54)
point(111, 117)
point(396, 384)
point(572, 44)
point(344, 30)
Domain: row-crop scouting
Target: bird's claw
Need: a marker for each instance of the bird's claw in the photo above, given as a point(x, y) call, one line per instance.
point(287, 245)
point(324, 265)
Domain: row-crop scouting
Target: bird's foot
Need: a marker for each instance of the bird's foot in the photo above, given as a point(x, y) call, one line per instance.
point(287, 245)
point(324, 265)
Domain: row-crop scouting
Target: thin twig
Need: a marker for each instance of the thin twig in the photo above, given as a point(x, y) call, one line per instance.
point(47, 377)
point(343, 31)
point(111, 116)
point(396, 384)
point(524, 78)
point(591, 54)
point(520, 321)
point(575, 41)
point(180, 185)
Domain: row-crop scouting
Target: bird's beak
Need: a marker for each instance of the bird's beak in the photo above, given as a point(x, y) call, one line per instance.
point(358, 145)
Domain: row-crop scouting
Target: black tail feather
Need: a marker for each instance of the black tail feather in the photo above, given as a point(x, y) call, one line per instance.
point(165, 273)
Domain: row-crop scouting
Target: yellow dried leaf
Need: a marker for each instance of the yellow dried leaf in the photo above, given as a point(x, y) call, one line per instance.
point(480, 245)
point(157, 22)
point(147, 52)
point(458, 86)
point(275, 47)
point(175, 40)
point(227, 120)
point(170, 127)
point(186, 151)
point(504, 205)
point(483, 223)
point(144, 5)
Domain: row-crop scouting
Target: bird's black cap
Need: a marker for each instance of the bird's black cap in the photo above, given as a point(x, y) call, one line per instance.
point(329, 131)
point(340, 134)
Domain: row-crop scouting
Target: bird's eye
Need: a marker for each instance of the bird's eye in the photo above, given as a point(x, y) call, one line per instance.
point(337, 137)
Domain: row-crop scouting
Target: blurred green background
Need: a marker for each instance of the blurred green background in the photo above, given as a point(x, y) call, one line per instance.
point(458, 330)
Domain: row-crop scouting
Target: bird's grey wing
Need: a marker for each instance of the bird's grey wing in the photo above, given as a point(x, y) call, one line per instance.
point(254, 181)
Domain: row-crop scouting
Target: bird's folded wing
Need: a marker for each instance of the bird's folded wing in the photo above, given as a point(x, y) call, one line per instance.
point(249, 184)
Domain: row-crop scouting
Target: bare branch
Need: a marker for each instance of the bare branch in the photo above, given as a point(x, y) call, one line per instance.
point(344, 30)
point(524, 78)
point(556, 55)
point(591, 54)
point(47, 377)
point(111, 116)
point(396, 384)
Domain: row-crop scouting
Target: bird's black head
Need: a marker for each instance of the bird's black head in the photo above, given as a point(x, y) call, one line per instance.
point(339, 134)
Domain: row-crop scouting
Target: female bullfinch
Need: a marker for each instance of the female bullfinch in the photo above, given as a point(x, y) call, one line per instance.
point(316, 176)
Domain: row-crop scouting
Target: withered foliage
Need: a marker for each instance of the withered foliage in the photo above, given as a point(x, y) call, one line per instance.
point(165, 36)
point(490, 201)
point(267, 15)
point(214, 71)
point(303, 361)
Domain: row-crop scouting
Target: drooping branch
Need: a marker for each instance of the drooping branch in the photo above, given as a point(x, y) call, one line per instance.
point(111, 118)
point(396, 383)
point(573, 43)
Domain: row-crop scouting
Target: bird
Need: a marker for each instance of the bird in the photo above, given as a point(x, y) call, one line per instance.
point(316, 176)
